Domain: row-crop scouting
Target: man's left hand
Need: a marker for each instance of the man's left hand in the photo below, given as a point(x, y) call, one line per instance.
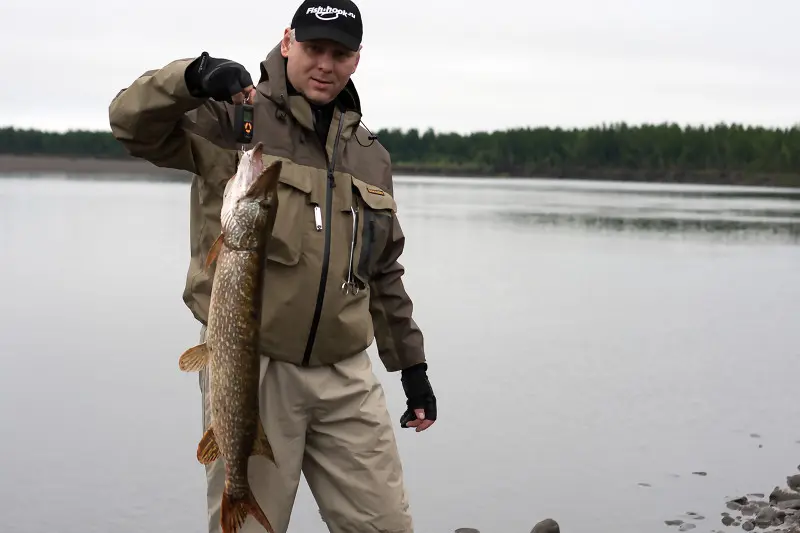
point(421, 412)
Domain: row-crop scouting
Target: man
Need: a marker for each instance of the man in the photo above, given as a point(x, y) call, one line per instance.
point(332, 280)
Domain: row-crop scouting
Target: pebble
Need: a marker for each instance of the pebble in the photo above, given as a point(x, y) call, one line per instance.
point(793, 482)
point(467, 530)
point(779, 494)
point(673, 522)
point(686, 527)
point(548, 525)
point(789, 504)
point(700, 473)
point(748, 525)
point(766, 517)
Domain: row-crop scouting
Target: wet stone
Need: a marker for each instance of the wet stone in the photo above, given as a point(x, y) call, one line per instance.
point(673, 522)
point(749, 509)
point(700, 473)
point(768, 517)
point(779, 495)
point(686, 527)
point(793, 482)
point(748, 525)
point(467, 530)
point(755, 435)
point(789, 504)
point(694, 515)
point(727, 520)
point(548, 525)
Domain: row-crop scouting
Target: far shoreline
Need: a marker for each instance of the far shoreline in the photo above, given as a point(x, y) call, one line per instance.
point(138, 169)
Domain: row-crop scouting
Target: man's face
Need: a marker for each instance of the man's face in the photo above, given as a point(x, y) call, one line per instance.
point(319, 69)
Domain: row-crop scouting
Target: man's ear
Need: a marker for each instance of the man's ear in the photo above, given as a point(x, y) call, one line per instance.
point(286, 42)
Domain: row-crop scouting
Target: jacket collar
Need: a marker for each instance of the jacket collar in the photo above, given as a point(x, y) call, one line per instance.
point(273, 85)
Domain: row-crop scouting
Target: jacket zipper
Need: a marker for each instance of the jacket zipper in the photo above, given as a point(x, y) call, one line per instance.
point(312, 334)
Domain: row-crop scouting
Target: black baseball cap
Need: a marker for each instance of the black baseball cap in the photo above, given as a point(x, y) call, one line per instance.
point(337, 20)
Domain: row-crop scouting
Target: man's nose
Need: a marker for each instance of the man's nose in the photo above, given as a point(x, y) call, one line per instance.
point(325, 63)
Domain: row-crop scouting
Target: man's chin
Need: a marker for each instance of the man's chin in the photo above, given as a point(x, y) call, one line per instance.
point(318, 98)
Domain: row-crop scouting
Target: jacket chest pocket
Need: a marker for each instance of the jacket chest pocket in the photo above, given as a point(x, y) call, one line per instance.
point(376, 212)
point(294, 220)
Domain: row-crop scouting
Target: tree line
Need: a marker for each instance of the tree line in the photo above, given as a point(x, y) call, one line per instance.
point(658, 152)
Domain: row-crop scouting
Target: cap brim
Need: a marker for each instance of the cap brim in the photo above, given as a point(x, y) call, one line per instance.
point(327, 32)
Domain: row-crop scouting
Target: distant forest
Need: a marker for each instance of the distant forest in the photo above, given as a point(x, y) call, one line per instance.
point(732, 154)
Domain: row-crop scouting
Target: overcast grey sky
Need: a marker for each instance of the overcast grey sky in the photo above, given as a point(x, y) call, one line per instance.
point(454, 66)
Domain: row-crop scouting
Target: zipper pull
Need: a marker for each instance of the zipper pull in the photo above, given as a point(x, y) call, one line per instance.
point(318, 217)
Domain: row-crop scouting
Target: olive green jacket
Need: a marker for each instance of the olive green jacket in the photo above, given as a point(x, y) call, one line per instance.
point(324, 190)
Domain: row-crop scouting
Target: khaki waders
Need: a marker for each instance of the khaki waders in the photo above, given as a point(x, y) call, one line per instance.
point(331, 424)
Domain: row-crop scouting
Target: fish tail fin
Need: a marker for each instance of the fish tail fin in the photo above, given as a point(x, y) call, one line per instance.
point(234, 512)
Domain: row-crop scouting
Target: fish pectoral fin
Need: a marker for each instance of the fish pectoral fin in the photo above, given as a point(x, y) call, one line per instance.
point(207, 449)
point(261, 446)
point(195, 358)
point(213, 252)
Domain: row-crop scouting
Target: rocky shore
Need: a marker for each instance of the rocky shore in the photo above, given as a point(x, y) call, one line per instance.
point(777, 512)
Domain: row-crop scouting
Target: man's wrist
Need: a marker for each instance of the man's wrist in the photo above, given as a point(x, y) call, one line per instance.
point(415, 369)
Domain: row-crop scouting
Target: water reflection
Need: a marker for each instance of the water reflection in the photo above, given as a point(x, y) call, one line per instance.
point(788, 230)
point(666, 209)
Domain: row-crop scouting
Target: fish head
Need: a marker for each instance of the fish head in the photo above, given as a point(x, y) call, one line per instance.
point(248, 199)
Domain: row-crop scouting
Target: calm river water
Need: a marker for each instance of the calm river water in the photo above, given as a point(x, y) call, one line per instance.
point(583, 338)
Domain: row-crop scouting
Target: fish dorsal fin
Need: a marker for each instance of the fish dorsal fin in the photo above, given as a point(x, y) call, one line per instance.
point(261, 445)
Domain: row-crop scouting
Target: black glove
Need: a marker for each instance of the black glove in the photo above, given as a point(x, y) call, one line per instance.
point(418, 392)
point(209, 77)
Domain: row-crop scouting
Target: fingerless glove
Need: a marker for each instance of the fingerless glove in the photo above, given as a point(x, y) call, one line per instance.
point(419, 393)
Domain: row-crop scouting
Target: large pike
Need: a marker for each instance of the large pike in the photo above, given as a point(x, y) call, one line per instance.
point(229, 352)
